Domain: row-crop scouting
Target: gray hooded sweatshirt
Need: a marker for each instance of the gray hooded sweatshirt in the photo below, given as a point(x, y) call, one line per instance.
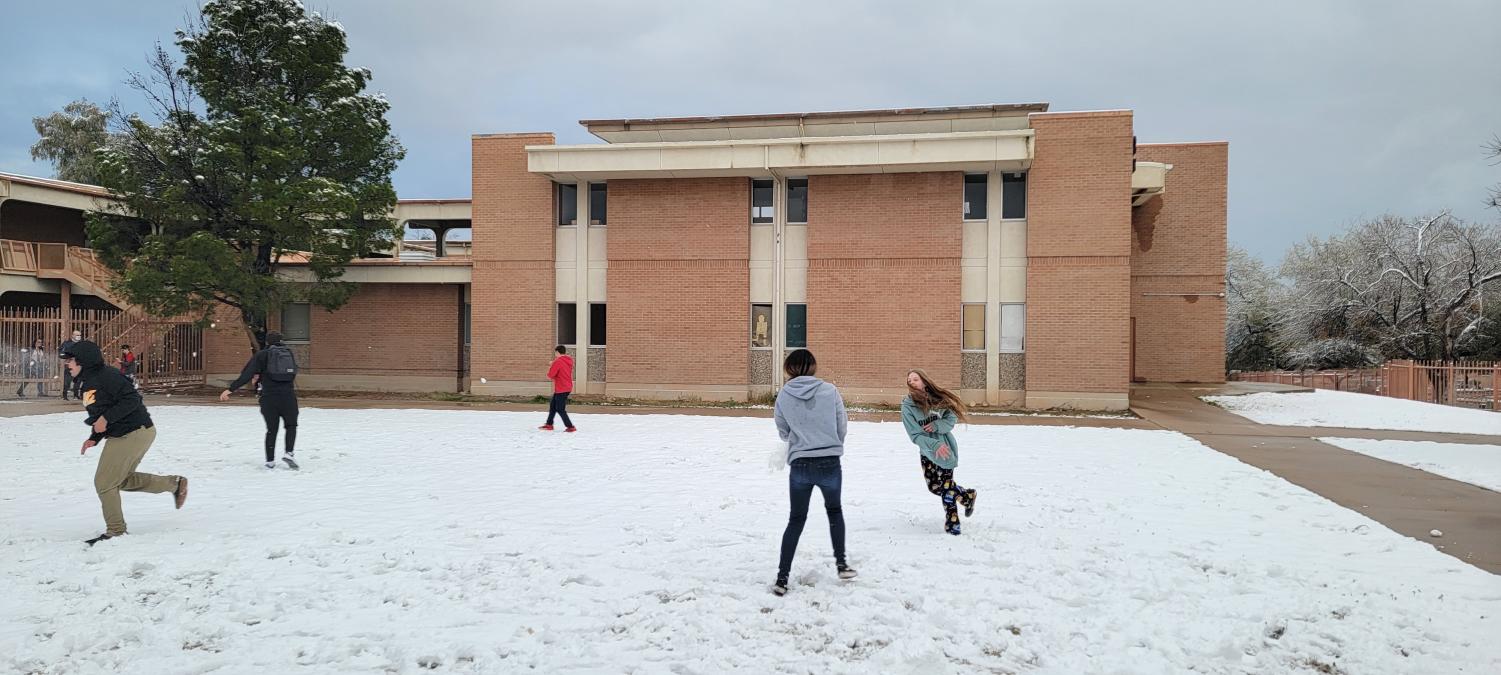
point(810, 417)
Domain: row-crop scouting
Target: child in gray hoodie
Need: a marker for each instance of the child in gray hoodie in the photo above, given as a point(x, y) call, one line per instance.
point(810, 417)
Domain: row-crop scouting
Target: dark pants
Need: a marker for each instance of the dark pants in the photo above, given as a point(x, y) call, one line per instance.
point(70, 385)
point(825, 474)
point(559, 406)
point(941, 482)
point(33, 372)
point(279, 408)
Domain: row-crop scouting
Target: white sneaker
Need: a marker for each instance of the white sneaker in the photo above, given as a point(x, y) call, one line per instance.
point(291, 463)
point(270, 465)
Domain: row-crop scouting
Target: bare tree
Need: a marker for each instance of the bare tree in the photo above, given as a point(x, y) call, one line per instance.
point(1493, 151)
point(1405, 288)
point(1252, 295)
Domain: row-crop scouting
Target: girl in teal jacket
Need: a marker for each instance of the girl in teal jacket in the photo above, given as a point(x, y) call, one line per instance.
point(929, 413)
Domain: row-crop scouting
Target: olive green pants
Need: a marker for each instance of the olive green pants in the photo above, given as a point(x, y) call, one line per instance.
point(117, 472)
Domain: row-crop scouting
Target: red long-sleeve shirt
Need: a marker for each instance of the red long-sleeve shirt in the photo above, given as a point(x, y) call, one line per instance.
point(561, 374)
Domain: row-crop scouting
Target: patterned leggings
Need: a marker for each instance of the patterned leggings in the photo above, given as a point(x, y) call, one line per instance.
point(941, 483)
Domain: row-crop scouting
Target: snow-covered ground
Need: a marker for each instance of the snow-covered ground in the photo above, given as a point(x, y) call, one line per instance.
point(1324, 408)
point(1473, 464)
point(466, 541)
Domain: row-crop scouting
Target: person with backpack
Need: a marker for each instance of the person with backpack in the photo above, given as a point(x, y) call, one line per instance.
point(561, 374)
point(929, 413)
point(117, 416)
point(277, 368)
point(811, 419)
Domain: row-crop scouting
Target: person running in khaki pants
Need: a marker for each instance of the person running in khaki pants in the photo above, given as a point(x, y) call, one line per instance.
point(118, 416)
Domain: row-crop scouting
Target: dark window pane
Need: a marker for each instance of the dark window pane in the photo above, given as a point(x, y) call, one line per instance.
point(760, 201)
point(466, 323)
point(1014, 195)
point(597, 199)
point(567, 323)
point(568, 204)
point(974, 197)
point(296, 322)
point(760, 325)
point(797, 326)
point(597, 324)
point(797, 200)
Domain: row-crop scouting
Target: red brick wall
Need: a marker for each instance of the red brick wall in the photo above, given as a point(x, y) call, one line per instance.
point(884, 277)
point(1078, 248)
point(514, 316)
point(26, 221)
point(1178, 246)
point(679, 281)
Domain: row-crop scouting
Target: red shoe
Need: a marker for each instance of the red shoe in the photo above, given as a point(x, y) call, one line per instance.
point(570, 430)
point(546, 427)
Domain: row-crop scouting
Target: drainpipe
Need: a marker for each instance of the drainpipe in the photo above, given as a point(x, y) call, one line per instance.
point(778, 301)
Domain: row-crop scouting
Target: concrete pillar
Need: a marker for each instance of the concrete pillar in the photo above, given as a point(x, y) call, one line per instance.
point(581, 291)
point(993, 196)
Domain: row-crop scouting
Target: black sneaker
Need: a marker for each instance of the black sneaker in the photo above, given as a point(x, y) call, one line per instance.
point(291, 463)
point(779, 588)
point(846, 572)
point(969, 503)
point(103, 537)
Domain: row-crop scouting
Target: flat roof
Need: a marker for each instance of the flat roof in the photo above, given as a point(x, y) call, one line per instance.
point(949, 110)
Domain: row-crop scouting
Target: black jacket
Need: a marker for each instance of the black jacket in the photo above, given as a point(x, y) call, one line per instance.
point(109, 394)
point(257, 366)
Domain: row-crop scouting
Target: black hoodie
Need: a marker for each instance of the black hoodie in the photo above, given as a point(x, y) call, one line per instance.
point(108, 393)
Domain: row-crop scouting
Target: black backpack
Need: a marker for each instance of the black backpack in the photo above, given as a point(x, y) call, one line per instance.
point(281, 364)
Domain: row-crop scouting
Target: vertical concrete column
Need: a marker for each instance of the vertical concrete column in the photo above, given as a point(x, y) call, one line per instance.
point(581, 291)
point(993, 288)
point(779, 279)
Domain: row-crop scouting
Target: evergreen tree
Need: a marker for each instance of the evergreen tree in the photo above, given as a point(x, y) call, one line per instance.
point(264, 146)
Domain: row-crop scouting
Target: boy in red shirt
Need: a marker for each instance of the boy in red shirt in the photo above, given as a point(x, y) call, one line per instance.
point(561, 374)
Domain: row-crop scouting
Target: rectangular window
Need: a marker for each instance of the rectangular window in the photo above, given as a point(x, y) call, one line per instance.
point(568, 204)
point(596, 324)
point(761, 326)
point(466, 323)
point(797, 326)
point(974, 196)
point(1013, 328)
point(1013, 195)
point(296, 322)
point(761, 206)
point(598, 194)
point(567, 323)
point(797, 200)
point(974, 328)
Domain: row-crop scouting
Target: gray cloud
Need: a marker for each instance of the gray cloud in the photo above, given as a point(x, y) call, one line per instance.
point(1335, 110)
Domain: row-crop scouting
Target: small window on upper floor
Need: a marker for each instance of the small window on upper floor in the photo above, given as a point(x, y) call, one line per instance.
point(761, 204)
point(974, 196)
point(1013, 195)
point(568, 204)
point(797, 200)
point(597, 203)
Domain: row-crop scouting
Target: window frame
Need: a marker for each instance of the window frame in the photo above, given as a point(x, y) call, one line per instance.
point(308, 310)
point(984, 312)
point(598, 323)
point(806, 194)
point(604, 190)
point(757, 219)
point(1023, 320)
point(787, 325)
point(573, 325)
point(571, 204)
point(771, 328)
point(984, 183)
point(1004, 201)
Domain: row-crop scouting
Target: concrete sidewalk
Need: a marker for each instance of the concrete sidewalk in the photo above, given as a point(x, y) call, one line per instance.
point(1407, 500)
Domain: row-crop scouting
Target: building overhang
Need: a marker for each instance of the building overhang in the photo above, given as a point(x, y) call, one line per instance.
point(1008, 150)
point(49, 192)
point(390, 271)
point(1148, 180)
point(433, 210)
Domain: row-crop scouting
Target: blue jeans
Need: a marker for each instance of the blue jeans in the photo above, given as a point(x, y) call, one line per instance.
point(825, 474)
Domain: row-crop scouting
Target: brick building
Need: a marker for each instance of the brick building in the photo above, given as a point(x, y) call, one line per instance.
point(1026, 257)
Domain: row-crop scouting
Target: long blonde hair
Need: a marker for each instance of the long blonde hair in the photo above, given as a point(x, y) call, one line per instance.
point(934, 396)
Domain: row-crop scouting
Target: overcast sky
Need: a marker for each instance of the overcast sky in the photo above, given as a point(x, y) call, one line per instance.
point(1335, 110)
